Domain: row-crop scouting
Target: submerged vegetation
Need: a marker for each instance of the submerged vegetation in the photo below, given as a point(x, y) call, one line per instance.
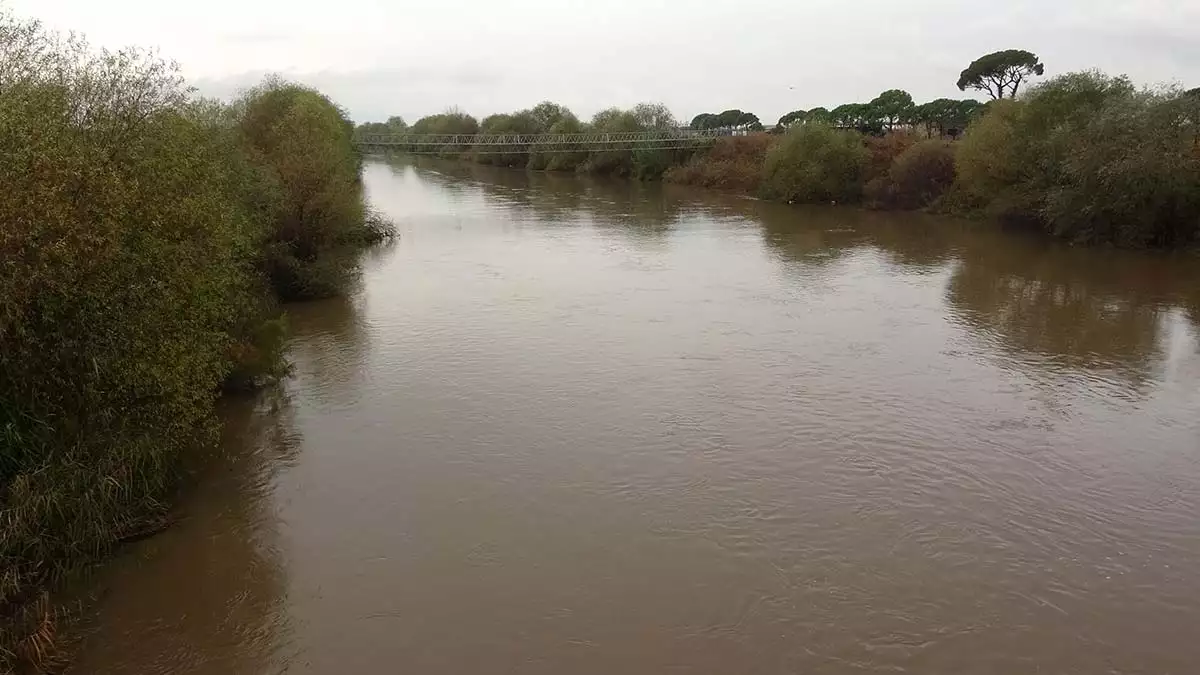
point(147, 239)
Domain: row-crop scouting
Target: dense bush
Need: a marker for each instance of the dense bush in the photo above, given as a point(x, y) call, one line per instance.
point(917, 178)
point(612, 162)
point(453, 121)
point(882, 152)
point(1087, 157)
point(733, 163)
point(1131, 176)
point(309, 193)
point(815, 163)
point(135, 227)
point(990, 163)
point(556, 159)
point(522, 122)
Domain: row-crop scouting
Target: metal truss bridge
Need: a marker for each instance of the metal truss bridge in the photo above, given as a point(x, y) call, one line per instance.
point(665, 139)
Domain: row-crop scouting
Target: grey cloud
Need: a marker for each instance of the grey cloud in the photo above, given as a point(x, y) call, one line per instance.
point(766, 56)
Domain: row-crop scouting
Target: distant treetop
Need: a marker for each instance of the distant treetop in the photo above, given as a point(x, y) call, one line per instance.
point(1001, 74)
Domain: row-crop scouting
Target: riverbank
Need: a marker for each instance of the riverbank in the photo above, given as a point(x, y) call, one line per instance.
point(1085, 157)
point(150, 238)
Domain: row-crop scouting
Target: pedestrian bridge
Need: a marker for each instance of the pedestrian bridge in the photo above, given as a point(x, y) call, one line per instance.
point(663, 139)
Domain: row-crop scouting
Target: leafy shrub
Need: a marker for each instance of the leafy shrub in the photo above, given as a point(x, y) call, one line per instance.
point(311, 196)
point(918, 177)
point(815, 163)
point(612, 162)
point(989, 163)
point(125, 266)
point(653, 163)
point(518, 123)
point(1086, 157)
point(452, 121)
point(555, 159)
point(1131, 176)
point(137, 227)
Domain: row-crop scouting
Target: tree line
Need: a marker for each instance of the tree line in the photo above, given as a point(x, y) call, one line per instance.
point(148, 239)
point(548, 117)
point(1084, 156)
point(733, 120)
point(890, 110)
point(999, 74)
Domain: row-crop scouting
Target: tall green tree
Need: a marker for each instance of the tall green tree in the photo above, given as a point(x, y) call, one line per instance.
point(945, 114)
point(849, 114)
point(730, 118)
point(547, 113)
point(654, 116)
point(453, 121)
point(749, 121)
point(1001, 74)
point(818, 115)
point(892, 107)
point(794, 117)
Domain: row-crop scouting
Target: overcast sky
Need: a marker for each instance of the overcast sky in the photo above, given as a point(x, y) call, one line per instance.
point(379, 57)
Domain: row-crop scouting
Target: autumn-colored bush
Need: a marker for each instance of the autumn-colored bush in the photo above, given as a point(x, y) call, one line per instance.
point(733, 163)
point(815, 163)
point(919, 176)
point(882, 152)
point(1132, 176)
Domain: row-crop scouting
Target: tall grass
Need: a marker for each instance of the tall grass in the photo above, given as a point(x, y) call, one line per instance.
point(142, 235)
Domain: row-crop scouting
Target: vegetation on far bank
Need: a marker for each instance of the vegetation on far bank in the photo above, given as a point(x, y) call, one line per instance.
point(148, 239)
point(1084, 156)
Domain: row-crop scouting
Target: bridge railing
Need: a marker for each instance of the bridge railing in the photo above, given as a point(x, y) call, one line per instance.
point(587, 140)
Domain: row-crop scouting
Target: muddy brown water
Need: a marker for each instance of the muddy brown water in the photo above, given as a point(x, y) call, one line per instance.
point(572, 428)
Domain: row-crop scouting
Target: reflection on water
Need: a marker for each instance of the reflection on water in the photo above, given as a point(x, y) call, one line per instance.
point(577, 426)
point(1090, 310)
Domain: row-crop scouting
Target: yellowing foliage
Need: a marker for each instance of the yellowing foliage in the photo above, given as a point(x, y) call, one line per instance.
point(139, 230)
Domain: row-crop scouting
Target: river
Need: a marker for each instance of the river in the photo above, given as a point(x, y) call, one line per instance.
point(572, 427)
